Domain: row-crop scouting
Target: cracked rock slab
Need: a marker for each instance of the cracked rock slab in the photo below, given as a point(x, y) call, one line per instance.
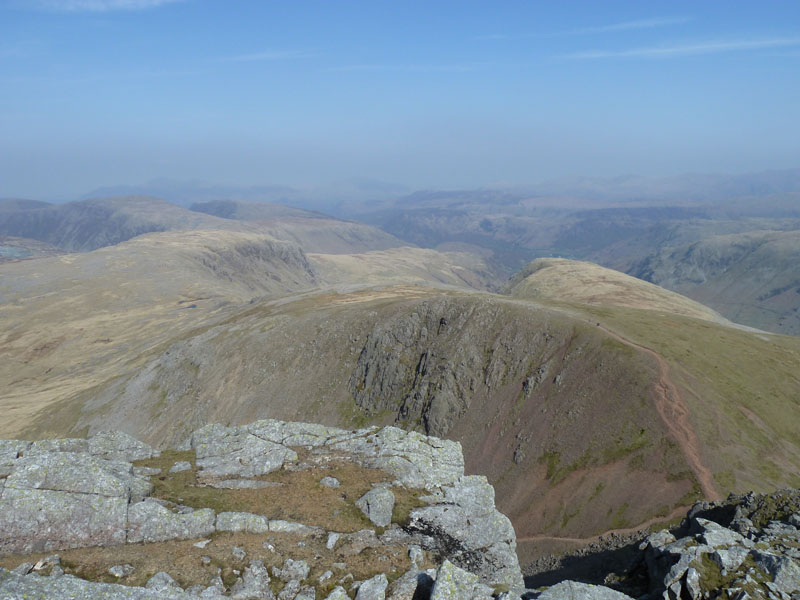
point(414, 459)
point(151, 522)
point(117, 445)
point(226, 451)
point(33, 587)
point(33, 520)
point(72, 472)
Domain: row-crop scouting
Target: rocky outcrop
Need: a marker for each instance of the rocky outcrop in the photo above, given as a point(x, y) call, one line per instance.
point(67, 494)
point(743, 548)
point(750, 550)
point(465, 526)
point(55, 499)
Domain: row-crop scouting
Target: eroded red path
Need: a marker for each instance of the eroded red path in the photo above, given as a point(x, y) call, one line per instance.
point(674, 412)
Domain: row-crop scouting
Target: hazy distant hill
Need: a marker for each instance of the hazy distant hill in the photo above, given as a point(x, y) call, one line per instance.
point(90, 224)
point(639, 225)
point(313, 231)
point(751, 277)
point(15, 204)
point(253, 211)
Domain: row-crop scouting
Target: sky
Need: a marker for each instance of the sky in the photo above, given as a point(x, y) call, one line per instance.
point(427, 93)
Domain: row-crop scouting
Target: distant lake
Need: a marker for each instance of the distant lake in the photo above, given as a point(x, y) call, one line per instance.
point(14, 252)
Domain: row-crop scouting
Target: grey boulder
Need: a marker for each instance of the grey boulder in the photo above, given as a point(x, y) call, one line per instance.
point(377, 504)
point(573, 590)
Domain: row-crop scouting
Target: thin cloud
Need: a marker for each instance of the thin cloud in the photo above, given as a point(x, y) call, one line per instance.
point(432, 68)
point(680, 50)
point(633, 25)
point(652, 23)
point(268, 55)
point(100, 5)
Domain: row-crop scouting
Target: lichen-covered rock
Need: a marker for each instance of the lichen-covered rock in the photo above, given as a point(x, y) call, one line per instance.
point(712, 559)
point(412, 584)
point(62, 445)
point(715, 535)
point(120, 571)
point(377, 504)
point(292, 570)
point(108, 493)
point(784, 571)
point(338, 593)
point(468, 529)
point(573, 590)
point(254, 583)
point(72, 472)
point(150, 522)
point(289, 433)
point(306, 593)
point(117, 445)
point(237, 521)
point(373, 589)
point(453, 583)
point(330, 482)
point(414, 459)
point(180, 466)
point(290, 590)
point(34, 587)
point(161, 582)
point(281, 526)
point(64, 500)
point(10, 452)
point(224, 451)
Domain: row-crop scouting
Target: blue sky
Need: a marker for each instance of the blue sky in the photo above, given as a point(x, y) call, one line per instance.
point(428, 94)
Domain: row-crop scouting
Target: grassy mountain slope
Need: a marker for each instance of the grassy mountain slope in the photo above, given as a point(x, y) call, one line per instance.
point(586, 283)
point(74, 321)
point(407, 265)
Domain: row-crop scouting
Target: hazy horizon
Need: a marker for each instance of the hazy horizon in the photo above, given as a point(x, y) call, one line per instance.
point(104, 93)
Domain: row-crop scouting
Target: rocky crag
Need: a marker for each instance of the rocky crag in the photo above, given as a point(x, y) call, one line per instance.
point(745, 547)
point(286, 511)
point(383, 511)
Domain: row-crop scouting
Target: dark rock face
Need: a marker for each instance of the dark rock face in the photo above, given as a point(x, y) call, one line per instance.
point(428, 365)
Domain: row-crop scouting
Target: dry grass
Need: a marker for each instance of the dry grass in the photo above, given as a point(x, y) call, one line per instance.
point(574, 281)
point(300, 497)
